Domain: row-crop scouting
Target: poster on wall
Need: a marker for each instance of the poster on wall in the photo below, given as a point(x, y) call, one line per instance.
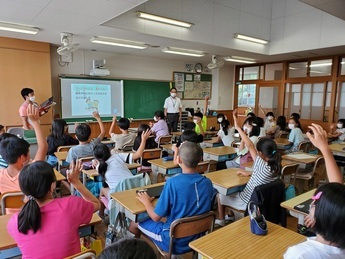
point(179, 81)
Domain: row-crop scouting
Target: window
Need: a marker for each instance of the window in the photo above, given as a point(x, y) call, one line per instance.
point(298, 69)
point(342, 67)
point(310, 100)
point(251, 73)
point(246, 95)
point(274, 71)
point(339, 112)
point(320, 68)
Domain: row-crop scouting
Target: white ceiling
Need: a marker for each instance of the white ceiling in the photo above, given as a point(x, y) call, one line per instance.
point(116, 18)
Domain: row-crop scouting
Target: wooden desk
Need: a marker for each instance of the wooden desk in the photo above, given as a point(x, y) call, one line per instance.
point(227, 181)
point(61, 157)
point(248, 166)
point(164, 167)
point(282, 143)
point(59, 176)
point(304, 159)
point(219, 153)
point(338, 149)
point(237, 241)
point(92, 172)
point(290, 204)
point(8, 246)
point(176, 133)
point(213, 142)
point(133, 208)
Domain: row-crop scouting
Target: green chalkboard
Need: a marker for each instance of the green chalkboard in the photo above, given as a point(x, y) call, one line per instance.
point(143, 98)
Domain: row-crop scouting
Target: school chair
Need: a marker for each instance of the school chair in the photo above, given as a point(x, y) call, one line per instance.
point(268, 197)
point(287, 173)
point(283, 134)
point(18, 131)
point(203, 167)
point(164, 140)
point(127, 148)
point(11, 202)
point(64, 148)
point(186, 227)
point(83, 255)
point(319, 170)
point(149, 154)
point(303, 146)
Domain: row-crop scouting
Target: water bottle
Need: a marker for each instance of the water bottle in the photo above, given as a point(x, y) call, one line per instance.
point(109, 238)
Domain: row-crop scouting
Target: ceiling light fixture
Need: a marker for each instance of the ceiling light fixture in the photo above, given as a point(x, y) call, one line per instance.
point(185, 52)
point(239, 59)
point(119, 42)
point(163, 19)
point(18, 28)
point(248, 38)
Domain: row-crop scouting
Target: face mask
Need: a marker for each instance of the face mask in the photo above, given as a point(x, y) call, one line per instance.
point(246, 129)
point(220, 120)
point(32, 98)
point(339, 126)
point(155, 118)
point(195, 121)
point(173, 95)
point(270, 118)
point(291, 126)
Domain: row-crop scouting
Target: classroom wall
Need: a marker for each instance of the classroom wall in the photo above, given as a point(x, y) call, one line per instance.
point(136, 67)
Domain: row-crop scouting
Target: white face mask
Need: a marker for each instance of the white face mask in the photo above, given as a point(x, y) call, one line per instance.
point(155, 118)
point(291, 126)
point(270, 118)
point(246, 129)
point(195, 121)
point(220, 120)
point(173, 95)
point(339, 126)
point(32, 98)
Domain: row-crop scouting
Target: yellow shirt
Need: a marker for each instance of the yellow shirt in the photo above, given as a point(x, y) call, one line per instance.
point(203, 125)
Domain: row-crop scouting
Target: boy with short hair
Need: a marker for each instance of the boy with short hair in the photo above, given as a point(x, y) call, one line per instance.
point(125, 138)
point(29, 97)
point(85, 147)
point(201, 120)
point(184, 195)
point(15, 151)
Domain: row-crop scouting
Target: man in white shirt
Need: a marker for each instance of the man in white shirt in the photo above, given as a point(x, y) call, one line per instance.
point(173, 109)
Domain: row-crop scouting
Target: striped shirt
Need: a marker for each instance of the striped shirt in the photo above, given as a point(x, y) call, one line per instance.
point(261, 175)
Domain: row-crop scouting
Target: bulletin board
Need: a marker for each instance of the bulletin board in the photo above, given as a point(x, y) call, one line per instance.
point(192, 85)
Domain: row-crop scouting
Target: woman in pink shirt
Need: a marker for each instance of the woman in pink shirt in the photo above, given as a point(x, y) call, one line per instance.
point(48, 227)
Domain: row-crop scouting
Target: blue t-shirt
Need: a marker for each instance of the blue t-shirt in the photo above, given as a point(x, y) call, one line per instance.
point(296, 137)
point(184, 195)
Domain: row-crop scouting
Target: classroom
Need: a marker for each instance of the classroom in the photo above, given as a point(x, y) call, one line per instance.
point(292, 62)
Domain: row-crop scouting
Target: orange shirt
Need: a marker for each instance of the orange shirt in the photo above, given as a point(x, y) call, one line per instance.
point(7, 182)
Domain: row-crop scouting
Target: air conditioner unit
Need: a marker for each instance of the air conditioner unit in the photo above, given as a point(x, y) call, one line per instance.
point(99, 72)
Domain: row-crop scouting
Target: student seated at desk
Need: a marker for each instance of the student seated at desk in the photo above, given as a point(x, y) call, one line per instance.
point(266, 169)
point(3, 163)
point(187, 128)
point(58, 137)
point(252, 130)
point(113, 168)
point(338, 131)
point(220, 118)
point(270, 124)
point(47, 227)
point(200, 120)
point(295, 136)
point(226, 133)
point(15, 151)
point(280, 127)
point(125, 138)
point(327, 213)
point(160, 127)
point(184, 195)
point(85, 147)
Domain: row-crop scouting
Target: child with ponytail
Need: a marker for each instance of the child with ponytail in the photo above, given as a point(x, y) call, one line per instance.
point(266, 169)
point(47, 227)
point(226, 133)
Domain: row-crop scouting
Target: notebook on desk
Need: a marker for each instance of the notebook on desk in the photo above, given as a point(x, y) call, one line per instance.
point(304, 206)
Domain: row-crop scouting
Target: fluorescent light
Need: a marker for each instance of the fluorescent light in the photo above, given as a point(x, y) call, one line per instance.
point(119, 42)
point(18, 28)
point(248, 38)
point(185, 52)
point(163, 19)
point(240, 59)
